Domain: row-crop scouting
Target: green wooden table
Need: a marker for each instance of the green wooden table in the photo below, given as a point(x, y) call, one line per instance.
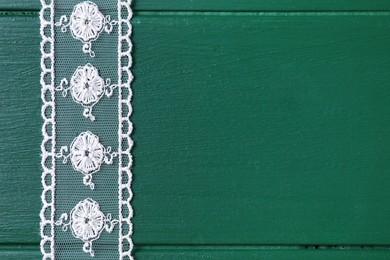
point(262, 129)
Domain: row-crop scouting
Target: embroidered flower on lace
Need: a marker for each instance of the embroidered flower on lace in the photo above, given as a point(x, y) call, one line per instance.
point(87, 222)
point(87, 155)
point(86, 23)
point(87, 88)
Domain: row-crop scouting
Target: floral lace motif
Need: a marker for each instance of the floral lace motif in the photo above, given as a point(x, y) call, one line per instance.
point(87, 88)
point(87, 222)
point(86, 23)
point(87, 155)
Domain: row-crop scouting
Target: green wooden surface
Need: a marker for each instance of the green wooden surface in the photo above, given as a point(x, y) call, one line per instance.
point(20, 103)
point(252, 129)
point(191, 253)
point(262, 129)
point(233, 5)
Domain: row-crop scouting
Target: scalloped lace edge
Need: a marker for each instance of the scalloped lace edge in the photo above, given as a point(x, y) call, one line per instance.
point(125, 129)
point(48, 129)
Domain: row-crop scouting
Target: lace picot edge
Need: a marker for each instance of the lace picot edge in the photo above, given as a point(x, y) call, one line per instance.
point(48, 129)
point(125, 129)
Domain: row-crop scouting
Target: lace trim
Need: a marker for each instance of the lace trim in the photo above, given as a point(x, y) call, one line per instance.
point(125, 109)
point(86, 153)
point(48, 129)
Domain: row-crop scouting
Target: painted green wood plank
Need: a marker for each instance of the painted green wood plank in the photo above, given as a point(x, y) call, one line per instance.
point(264, 5)
point(20, 252)
point(189, 253)
point(268, 129)
point(232, 5)
point(20, 133)
point(253, 253)
point(12, 254)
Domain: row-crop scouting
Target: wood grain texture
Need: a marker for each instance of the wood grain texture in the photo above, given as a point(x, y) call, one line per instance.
point(20, 252)
point(231, 5)
point(229, 253)
point(20, 118)
point(262, 129)
point(250, 129)
point(179, 253)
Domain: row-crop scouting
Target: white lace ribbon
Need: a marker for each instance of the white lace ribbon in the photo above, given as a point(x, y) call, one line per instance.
point(85, 24)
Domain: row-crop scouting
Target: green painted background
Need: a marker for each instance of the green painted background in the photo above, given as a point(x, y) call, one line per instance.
point(262, 129)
